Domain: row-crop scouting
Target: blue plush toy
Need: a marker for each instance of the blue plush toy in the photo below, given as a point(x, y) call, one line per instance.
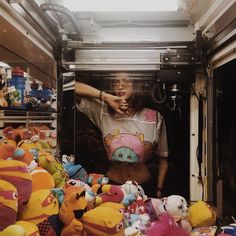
point(76, 171)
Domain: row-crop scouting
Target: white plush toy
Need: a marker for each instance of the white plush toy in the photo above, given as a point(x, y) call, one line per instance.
point(175, 205)
point(132, 187)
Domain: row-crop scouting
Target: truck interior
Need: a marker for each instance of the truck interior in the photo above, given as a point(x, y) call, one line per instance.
point(185, 58)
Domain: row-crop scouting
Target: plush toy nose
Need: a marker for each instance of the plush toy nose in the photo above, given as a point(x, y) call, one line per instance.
point(79, 213)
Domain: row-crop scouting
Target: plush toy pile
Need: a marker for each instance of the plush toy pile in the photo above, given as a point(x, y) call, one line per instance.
point(41, 196)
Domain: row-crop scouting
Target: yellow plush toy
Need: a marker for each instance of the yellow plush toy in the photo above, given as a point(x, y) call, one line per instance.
point(30, 228)
point(71, 211)
point(104, 220)
point(41, 205)
point(42, 210)
point(16, 230)
point(201, 214)
point(54, 167)
point(17, 173)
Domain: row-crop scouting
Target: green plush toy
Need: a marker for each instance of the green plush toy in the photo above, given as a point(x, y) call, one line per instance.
point(54, 167)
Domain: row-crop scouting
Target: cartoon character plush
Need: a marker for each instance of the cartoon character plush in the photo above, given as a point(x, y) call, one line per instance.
point(113, 193)
point(42, 209)
point(95, 178)
point(104, 221)
point(175, 205)
point(76, 171)
point(17, 173)
point(201, 214)
point(54, 167)
point(166, 225)
point(71, 212)
point(8, 204)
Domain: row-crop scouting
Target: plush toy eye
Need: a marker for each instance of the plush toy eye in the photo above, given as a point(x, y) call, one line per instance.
point(27, 141)
point(122, 211)
point(119, 227)
point(73, 183)
point(14, 195)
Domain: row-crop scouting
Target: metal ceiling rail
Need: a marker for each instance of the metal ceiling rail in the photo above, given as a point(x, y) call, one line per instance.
point(129, 45)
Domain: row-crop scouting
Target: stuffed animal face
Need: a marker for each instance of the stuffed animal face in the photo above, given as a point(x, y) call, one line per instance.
point(8, 204)
point(17, 173)
point(41, 205)
point(104, 221)
point(176, 206)
point(74, 207)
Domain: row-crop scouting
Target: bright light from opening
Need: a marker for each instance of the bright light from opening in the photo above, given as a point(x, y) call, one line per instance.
point(121, 5)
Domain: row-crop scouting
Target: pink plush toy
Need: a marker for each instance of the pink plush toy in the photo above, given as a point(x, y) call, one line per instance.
point(175, 205)
point(166, 225)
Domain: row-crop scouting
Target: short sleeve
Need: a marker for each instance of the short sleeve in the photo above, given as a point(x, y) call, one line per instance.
point(162, 142)
point(91, 108)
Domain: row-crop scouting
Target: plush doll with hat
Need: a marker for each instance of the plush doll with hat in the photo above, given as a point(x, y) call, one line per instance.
point(8, 204)
point(17, 173)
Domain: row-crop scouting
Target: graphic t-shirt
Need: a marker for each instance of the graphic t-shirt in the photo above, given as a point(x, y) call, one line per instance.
point(128, 139)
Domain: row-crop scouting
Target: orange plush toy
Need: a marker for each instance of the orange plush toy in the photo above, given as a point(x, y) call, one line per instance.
point(7, 150)
point(25, 156)
point(71, 211)
point(41, 179)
